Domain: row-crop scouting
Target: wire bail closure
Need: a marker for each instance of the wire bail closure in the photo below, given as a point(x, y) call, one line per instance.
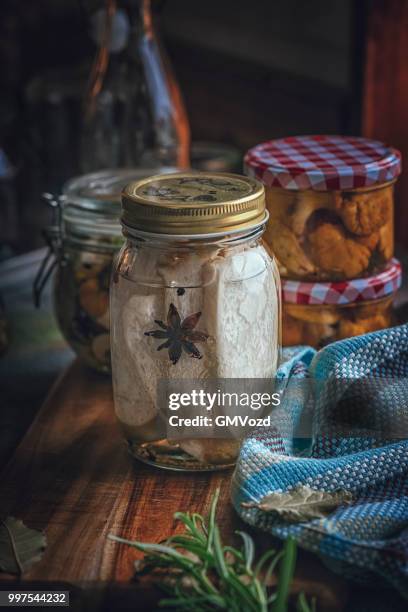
point(53, 238)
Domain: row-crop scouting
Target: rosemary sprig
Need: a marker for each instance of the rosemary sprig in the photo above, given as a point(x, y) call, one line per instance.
point(203, 574)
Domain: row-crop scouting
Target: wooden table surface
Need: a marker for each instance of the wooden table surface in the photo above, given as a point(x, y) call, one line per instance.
point(72, 477)
point(78, 481)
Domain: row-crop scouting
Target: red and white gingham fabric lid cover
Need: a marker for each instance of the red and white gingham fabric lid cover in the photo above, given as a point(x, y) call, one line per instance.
point(323, 163)
point(344, 292)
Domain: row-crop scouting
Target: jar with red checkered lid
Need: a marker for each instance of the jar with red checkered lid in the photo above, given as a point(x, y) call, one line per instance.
point(316, 313)
point(330, 201)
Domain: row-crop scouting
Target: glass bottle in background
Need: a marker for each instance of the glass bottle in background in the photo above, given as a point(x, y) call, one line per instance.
point(133, 110)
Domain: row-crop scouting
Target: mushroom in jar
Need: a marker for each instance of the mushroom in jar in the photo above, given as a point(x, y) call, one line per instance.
point(364, 213)
point(288, 250)
point(333, 252)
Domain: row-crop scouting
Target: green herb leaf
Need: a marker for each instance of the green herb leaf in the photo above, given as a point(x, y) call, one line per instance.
point(302, 503)
point(249, 550)
point(303, 605)
point(286, 571)
point(20, 546)
point(202, 574)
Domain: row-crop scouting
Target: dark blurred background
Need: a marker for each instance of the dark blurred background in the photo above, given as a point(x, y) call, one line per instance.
point(248, 71)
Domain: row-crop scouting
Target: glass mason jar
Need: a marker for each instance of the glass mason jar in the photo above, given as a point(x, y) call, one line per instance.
point(319, 313)
point(85, 240)
point(194, 295)
point(331, 204)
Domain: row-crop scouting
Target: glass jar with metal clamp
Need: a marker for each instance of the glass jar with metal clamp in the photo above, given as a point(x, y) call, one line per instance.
point(83, 240)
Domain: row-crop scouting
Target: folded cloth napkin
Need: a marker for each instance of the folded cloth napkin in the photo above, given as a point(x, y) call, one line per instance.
point(340, 486)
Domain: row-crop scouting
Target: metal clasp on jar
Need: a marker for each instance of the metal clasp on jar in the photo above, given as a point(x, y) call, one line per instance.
point(53, 238)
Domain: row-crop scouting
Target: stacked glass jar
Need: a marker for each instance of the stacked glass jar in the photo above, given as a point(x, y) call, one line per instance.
point(330, 203)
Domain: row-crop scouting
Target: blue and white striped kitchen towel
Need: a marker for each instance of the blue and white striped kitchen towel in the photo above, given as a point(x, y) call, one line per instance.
point(358, 444)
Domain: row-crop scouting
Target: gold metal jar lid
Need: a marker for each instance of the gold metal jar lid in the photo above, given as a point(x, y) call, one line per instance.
point(193, 203)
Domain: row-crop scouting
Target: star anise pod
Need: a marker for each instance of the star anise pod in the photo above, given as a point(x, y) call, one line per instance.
point(179, 335)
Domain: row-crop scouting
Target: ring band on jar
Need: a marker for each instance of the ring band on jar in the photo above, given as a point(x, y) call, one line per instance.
point(319, 313)
point(330, 203)
point(89, 236)
point(195, 296)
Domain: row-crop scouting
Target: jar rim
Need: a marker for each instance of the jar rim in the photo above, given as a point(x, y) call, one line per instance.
point(100, 192)
point(90, 203)
point(134, 232)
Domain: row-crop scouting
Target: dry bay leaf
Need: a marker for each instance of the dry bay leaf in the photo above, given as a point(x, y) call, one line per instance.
point(20, 546)
point(302, 503)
